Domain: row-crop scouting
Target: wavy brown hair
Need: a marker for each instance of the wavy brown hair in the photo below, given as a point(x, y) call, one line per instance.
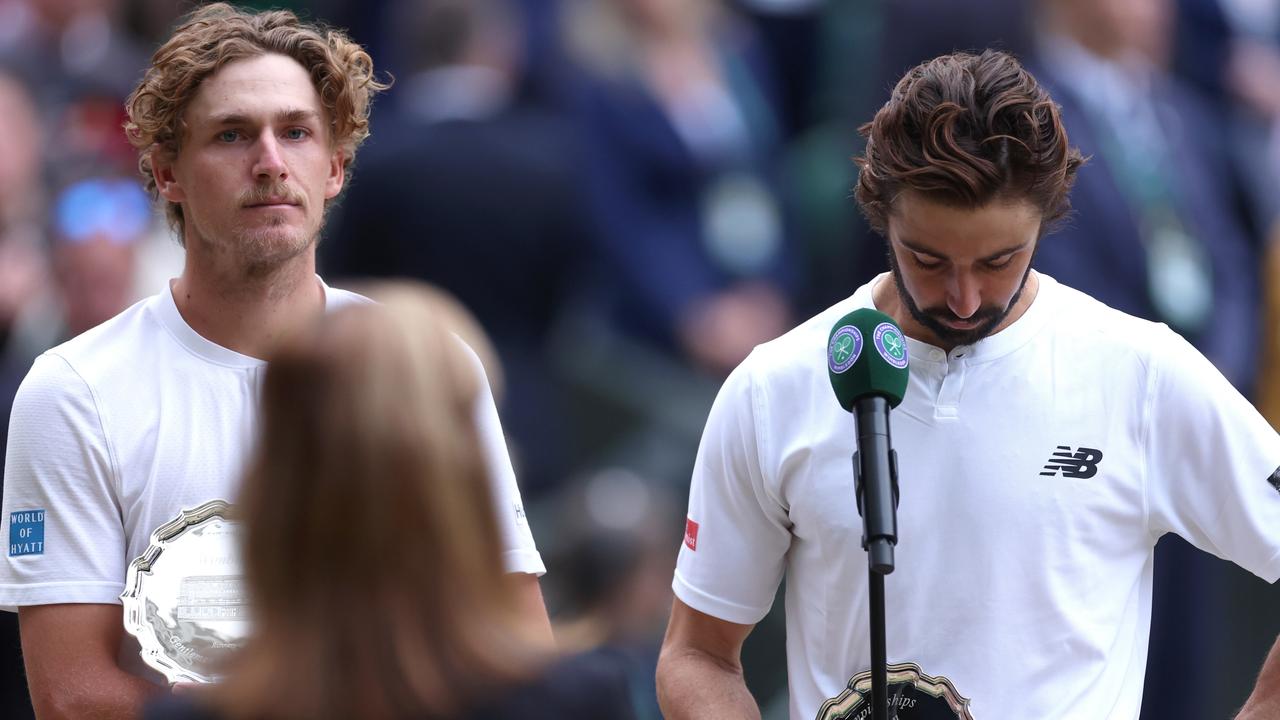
point(965, 129)
point(372, 555)
point(216, 34)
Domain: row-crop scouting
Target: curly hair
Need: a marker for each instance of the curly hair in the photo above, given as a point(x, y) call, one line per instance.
point(964, 129)
point(217, 34)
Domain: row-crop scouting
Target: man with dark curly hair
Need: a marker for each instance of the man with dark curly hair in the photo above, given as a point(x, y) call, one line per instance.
point(1045, 443)
point(246, 125)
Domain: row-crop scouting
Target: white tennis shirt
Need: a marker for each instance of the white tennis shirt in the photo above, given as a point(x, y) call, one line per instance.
point(1038, 468)
point(116, 431)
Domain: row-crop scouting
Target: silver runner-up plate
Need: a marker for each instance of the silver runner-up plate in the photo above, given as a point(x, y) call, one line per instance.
point(184, 598)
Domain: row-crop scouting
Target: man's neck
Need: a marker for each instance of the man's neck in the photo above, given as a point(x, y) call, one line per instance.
point(249, 311)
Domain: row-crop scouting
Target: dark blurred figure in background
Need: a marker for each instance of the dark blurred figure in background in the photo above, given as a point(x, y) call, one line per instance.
point(693, 263)
point(1230, 49)
point(790, 30)
point(1156, 231)
point(23, 268)
point(23, 278)
point(612, 552)
point(681, 148)
point(367, 426)
point(98, 225)
point(70, 46)
point(466, 188)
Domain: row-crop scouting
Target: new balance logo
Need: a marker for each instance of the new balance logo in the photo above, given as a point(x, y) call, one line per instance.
point(1082, 463)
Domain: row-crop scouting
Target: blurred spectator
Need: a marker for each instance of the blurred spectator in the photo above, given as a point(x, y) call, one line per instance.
point(612, 590)
point(1155, 232)
point(23, 277)
point(463, 187)
point(681, 145)
point(70, 47)
point(98, 225)
point(1231, 50)
point(405, 613)
point(789, 31)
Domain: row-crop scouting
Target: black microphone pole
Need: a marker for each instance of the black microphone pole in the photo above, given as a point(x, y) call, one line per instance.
point(875, 466)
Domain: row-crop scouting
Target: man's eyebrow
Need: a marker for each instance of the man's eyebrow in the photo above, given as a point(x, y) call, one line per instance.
point(285, 116)
point(913, 247)
point(920, 249)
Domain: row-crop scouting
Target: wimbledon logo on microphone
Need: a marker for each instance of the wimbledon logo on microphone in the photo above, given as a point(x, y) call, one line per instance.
point(844, 348)
point(891, 345)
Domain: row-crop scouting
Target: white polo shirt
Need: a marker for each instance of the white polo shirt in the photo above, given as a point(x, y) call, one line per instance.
point(116, 431)
point(1038, 468)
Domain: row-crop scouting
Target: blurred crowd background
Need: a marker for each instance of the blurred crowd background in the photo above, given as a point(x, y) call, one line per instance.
point(625, 196)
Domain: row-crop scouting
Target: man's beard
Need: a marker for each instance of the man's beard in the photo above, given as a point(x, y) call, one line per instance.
point(988, 318)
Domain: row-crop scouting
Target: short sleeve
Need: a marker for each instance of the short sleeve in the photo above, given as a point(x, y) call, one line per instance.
point(737, 533)
point(519, 553)
point(1213, 463)
point(64, 538)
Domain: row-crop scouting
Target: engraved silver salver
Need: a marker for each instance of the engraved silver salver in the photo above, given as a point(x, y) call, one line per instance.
point(184, 598)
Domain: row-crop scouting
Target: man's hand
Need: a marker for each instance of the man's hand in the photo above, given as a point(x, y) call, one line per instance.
point(70, 653)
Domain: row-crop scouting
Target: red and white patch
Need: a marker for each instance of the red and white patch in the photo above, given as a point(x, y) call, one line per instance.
point(691, 534)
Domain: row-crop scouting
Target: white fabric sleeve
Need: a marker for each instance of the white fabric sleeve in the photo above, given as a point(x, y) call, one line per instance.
point(737, 532)
point(519, 553)
point(1212, 463)
point(59, 484)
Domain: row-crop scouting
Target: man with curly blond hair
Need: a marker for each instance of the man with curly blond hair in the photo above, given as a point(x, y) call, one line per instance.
point(1045, 442)
point(246, 125)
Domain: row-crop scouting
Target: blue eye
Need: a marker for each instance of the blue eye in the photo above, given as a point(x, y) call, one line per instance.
point(296, 133)
point(229, 136)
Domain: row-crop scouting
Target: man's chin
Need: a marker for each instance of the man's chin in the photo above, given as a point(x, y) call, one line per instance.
point(273, 246)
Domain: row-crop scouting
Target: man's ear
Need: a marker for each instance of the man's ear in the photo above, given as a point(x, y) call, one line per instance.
point(337, 174)
point(167, 184)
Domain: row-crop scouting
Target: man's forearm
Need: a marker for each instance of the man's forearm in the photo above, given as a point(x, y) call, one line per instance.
point(117, 695)
point(693, 685)
point(1264, 703)
point(70, 655)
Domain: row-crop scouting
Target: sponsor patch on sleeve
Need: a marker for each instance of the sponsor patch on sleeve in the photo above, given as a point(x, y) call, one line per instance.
point(691, 534)
point(26, 532)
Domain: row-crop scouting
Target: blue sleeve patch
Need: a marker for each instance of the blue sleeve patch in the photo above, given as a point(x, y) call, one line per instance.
point(26, 533)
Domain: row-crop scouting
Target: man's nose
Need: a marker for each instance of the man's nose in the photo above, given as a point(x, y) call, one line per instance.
point(268, 164)
point(963, 296)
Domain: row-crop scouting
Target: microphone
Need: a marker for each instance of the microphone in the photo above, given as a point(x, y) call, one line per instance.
point(867, 363)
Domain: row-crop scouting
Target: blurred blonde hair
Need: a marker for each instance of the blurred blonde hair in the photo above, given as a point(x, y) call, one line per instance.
point(371, 554)
point(218, 33)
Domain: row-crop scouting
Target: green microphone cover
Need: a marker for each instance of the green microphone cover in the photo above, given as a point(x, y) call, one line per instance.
point(866, 356)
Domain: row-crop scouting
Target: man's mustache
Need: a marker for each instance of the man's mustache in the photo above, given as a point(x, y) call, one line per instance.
point(272, 194)
point(945, 315)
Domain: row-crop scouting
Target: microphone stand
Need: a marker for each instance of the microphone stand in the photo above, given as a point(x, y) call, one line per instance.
point(877, 505)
